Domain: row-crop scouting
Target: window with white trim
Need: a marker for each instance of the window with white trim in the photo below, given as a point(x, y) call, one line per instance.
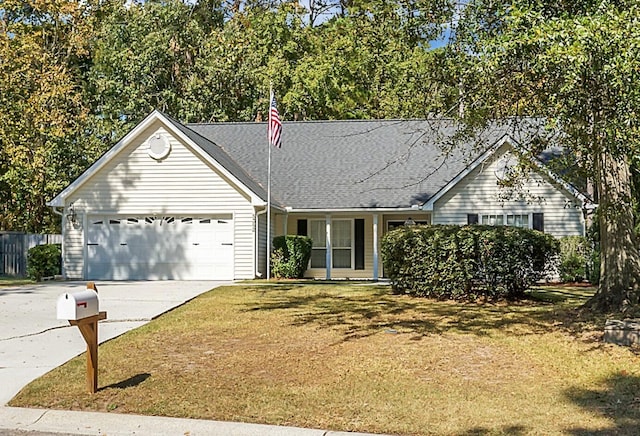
point(518, 221)
point(341, 243)
point(492, 220)
point(523, 220)
point(318, 235)
point(341, 240)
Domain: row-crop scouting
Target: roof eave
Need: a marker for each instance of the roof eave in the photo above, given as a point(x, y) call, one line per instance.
point(414, 208)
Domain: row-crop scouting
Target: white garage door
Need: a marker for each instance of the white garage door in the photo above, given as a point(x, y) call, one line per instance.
point(168, 247)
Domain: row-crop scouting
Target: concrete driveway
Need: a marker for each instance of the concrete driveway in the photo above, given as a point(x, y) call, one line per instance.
point(33, 341)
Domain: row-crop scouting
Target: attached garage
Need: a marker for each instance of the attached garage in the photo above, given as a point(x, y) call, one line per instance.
point(163, 204)
point(165, 247)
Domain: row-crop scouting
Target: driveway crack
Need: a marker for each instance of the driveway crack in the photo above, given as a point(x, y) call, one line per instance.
point(108, 321)
point(35, 333)
point(40, 417)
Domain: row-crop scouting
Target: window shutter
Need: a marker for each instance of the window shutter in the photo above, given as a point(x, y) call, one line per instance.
point(472, 218)
point(359, 243)
point(538, 221)
point(302, 228)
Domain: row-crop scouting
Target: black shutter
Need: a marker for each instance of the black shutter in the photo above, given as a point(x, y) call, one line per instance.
point(538, 221)
point(359, 243)
point(472, 218)
point(302, 228)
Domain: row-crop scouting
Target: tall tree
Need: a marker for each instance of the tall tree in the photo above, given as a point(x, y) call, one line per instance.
point(371, 61)
point(143, 58)
point(578, 65)
point(42, 112)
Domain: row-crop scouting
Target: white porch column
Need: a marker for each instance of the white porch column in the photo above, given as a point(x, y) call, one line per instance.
point(375, 247)
point(328, 244)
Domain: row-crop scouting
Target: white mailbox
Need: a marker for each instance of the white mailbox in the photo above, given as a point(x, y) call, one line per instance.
point(78, 305)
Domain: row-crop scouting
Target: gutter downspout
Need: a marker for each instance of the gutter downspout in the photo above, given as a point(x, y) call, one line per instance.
point(257, 254)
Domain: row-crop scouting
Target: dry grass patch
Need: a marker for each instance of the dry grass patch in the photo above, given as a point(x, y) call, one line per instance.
point(357, 358)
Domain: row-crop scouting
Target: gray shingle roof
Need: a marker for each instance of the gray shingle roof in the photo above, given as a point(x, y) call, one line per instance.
point(220, 156)
point(351, 164)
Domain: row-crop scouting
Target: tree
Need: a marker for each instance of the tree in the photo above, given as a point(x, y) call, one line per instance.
point(42, 112)
point(371, 61)
point(578, 65)
point(143, 58)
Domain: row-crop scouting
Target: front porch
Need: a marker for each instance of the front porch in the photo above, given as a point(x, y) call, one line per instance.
point(346, 245)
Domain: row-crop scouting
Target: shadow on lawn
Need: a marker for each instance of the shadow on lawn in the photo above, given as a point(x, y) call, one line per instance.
point(618, 400)
point(128, 383)
point(373, 309)
point(514, 430)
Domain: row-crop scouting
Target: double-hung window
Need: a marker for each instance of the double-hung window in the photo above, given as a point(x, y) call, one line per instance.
point(318, 235)
point(518, 221)
point(341, 243)
point(492, 220)
point(525, 220)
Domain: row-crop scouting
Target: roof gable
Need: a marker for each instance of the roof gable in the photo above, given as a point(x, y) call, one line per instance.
point(212, 154)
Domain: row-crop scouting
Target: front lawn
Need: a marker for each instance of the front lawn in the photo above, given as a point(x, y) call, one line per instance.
point(357, 358)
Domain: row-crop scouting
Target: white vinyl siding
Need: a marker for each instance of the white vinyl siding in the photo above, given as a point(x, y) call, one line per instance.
point(478, 193)
point(72, 252)
point(133, 183)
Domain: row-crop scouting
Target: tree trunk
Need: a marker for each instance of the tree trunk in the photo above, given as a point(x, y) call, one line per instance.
point(619, 256)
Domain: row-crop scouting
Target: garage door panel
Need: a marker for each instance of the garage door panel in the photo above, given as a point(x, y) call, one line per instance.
point(168, 247)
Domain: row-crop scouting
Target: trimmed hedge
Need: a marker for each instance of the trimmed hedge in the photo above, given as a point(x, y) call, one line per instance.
point(465, 262)
point(290, 257)
point(44, 261)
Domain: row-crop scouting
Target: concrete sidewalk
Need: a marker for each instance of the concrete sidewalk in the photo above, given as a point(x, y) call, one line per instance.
point(114, 424)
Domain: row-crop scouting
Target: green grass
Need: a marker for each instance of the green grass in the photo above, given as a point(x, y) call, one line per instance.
point(355, 357)
point(6, 282)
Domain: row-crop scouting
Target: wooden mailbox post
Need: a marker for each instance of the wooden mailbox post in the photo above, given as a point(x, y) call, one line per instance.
point(81, 309)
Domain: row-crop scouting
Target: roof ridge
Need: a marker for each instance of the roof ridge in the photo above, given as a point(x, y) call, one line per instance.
point(350, 121)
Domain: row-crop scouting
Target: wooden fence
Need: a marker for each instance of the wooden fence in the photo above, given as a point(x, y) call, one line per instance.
point(14, 247)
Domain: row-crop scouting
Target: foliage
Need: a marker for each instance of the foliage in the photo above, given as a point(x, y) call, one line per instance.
point(75, 76)
point(456, 262)
point(43, 141)
point(576, 64)
point(290, 256)
point(44, 261)
point(575, 259)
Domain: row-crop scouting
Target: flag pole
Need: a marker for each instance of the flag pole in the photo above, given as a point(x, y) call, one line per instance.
point(269, 186)
point(274, 133)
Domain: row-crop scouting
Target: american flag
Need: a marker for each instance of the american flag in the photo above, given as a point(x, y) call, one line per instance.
point(274, 129)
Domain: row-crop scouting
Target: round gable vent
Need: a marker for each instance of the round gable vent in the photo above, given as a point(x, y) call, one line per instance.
point(158, 146)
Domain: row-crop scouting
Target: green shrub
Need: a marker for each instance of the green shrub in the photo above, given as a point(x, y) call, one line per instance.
point(463, 262)
point(290, 256)
point(44, 261)
point(576, 259)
